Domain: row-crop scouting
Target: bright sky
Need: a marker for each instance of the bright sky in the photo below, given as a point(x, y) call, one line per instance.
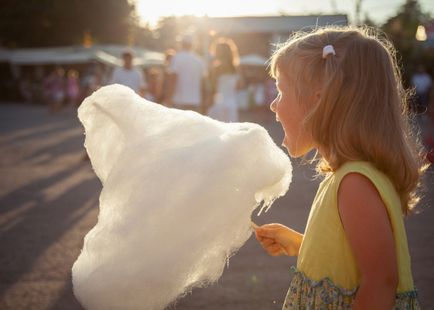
point(379, 10)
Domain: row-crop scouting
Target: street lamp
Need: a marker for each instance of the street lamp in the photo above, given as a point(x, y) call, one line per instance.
point(421, 33)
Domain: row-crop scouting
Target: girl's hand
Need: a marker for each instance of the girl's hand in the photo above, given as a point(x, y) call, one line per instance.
point(278, 239)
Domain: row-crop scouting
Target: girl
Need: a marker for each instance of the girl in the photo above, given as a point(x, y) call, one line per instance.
point(72, 87)
point(54, 86)
point(225, 81)
point(340, 93)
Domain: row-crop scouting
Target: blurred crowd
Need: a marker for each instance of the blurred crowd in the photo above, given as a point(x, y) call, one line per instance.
point(57, 87)
point(186, 80)
point(422, 104)
point(215, 85)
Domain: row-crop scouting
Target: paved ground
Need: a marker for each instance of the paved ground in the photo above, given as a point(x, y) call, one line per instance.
point(49, 201)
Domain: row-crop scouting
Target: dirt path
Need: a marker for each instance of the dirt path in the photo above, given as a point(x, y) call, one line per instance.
point(48, 202)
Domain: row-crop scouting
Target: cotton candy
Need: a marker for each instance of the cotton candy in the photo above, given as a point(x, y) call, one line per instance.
point(178, 192)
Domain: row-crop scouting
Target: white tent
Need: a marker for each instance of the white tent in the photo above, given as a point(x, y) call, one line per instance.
point(253, 60)
point(107, 54)
point(150, 59)
point(5, 55)
point(142, 56)
point(60, 56)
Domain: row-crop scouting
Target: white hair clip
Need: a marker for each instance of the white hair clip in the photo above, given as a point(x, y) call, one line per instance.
point(328, 49)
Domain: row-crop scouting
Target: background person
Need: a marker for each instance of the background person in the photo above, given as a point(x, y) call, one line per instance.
point(225, 81)
point(72, 87)
point(128, 75)
point(166, 76)
point(54, 89)
point(188, 72)
point(422, 83)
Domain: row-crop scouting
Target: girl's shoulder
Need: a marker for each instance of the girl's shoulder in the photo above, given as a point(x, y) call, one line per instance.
point(379, 180)
point(364, 168)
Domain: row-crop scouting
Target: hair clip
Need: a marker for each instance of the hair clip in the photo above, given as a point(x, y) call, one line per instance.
point(327, 50)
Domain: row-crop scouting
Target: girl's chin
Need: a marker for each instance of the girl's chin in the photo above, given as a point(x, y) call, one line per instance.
point(285, 143)
point(289, 149)
point(292, 150)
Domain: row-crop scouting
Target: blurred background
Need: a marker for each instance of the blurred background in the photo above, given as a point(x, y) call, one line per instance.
point(87, 39)
point(53, 54)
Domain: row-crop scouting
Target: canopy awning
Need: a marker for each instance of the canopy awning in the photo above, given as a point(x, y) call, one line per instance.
point(253, 60)
point(109, 55)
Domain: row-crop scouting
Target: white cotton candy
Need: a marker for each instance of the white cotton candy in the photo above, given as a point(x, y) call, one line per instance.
point(178, 192)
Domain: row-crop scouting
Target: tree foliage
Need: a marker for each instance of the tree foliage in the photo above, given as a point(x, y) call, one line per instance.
point(37, 23)
point(402, 27)
point(169, 28)
point(401, 30)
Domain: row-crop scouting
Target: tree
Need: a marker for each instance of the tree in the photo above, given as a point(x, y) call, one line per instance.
point(142, 35)
point(169, 28)
point(367, 21)
point(39, 23)
point(166, 31)
point(401, 30)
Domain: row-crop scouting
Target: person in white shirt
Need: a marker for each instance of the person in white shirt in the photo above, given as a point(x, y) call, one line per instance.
point(188, 72)
point(128, 75)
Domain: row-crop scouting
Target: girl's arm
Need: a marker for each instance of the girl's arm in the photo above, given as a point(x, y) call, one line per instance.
point(369, 232)
point(278, 239)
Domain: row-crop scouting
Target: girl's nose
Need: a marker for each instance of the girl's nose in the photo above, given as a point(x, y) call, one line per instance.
point(273, 106)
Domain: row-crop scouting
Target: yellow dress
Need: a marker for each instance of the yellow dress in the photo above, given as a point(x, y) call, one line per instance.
point(327, 276)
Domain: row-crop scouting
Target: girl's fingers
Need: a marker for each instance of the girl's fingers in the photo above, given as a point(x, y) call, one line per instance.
point(266, 235)
point(262, 238)
point(266, 232)
point(274, 248)
point(276, 253)
point(267, 242)
point(271, 247)
point(258, 237)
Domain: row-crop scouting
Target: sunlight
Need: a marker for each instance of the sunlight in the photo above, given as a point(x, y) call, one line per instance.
point(164, 8)
point(202, 8)
point(378, 10)
point(421, 33)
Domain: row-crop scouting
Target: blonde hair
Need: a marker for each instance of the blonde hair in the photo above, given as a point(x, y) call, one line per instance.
point(362, 110)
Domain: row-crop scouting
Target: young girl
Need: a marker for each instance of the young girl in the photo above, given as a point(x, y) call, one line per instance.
point(72, 87)
point(340, 93)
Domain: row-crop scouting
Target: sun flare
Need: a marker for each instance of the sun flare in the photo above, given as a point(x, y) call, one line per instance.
point(151, 12)
point(198, 8)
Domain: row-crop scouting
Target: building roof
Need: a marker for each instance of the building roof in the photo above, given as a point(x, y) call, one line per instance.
point(107, 54)
point(273, 24)
point(59, 55)
point(253, 60)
